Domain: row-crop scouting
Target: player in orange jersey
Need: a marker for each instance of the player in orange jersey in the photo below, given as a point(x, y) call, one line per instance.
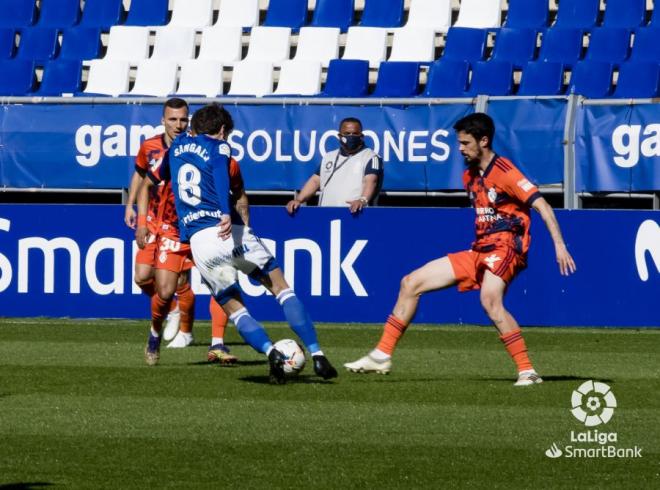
point(502, 197)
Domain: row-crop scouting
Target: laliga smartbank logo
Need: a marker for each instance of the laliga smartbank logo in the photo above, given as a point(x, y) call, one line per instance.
point(593, 404)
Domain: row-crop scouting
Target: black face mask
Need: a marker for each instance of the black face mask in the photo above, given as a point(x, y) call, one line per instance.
point(350, 142)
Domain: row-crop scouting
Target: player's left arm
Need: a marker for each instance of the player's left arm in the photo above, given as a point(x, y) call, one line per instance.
point(564, 259)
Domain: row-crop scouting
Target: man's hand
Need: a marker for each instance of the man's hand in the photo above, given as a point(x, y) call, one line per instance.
point(564, 259)
point(293, 205)
point(141, 235)
point(224, 227)
point(130, 217)
point(357, 205)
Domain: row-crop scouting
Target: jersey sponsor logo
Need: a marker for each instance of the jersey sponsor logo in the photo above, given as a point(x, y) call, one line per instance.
point(647, 241)
point(491, 260)
point(525, 185)
point(195, 215)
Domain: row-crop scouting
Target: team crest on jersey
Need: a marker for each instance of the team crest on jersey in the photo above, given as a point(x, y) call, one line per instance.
point(492, 194)
point(491, 259)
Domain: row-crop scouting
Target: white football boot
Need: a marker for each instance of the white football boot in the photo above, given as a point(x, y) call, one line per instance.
point(368, 364)
point(172, 326)
point(182, 339)
point(528, 378)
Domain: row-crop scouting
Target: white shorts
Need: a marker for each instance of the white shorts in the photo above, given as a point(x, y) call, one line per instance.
point(219, 261)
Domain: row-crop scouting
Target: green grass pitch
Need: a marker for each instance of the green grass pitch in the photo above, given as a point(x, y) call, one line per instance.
point(80, 409)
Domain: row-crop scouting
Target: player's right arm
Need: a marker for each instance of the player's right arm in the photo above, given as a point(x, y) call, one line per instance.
point(309, 189)
point(157, 174)
point(220, 166)
point(136, 181)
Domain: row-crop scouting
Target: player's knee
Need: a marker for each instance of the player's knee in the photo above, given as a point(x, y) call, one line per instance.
point(165, 291)
point(408, 285)
point(142, 280)
point(491, 303)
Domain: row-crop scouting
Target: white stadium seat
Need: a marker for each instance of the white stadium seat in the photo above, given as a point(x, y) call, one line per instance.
point(366, 43)
point(200, 77)
point(221, 44)
point(299, 78)
point(174, 44)
point(318, 44)
point(108, 77)
point(269, 44)
point(429, 14)
point(252, 78)
point(155, 78)
point(479, 14)
point(192, 13)
point(413, 45)
point(128, 43)
point(238, 13)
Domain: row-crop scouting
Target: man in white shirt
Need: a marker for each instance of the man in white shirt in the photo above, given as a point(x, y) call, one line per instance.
point(349, 176)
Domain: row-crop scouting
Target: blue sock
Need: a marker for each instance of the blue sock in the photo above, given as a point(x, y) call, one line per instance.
point(251, 330)
point(300, 322)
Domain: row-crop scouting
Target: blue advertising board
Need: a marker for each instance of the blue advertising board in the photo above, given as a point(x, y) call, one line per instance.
point(76, 261)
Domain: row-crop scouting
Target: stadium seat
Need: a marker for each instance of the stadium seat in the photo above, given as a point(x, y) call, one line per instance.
point(479, 14)
point(382, 13)
point(21, 80)
point(238, 13)
point(269, 44)
point(347, 78)
point(147, 13)
point(413, 45)
point(59, 14)
point(174, 44)
point(286, 13)
point(200, 78)
point(253, 78)
point(222, 44)
point(627, 14)
point(7, 43)
point(299, 78)
point(527, 14)
point(193, 14)
point(609, 44)
point(638, 79)
point(81, 43)
point(542, 78)
point(429, 14)
point(128, 43)
point(17, 14)
point(333, 13)
point(517, 46)
point(101, 14)
point(646, 45)
point(317, 44)
point(577, 14)
point(38, 44)
point(561, 45)
point(447, 78)
point(366, 43)
point(155, 78)
point(397, 79)
point(107, 77)
point(464, 43)
point(60, 77)
point(592, 79)
point(491, 78)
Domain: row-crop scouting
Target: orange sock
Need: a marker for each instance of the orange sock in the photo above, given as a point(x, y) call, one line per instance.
point(218, 319)
point(159, 310)
point(394, 330)
point(174, 304)
point(186, 307)
point(515, 346)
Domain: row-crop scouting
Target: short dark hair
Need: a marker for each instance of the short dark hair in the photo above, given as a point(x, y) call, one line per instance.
point(354, 120)
point(175, 103)
point(477, 125)
point(210, 119)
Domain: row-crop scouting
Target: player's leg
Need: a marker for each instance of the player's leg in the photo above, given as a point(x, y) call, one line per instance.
point(437, 274)
point(218, 351)
point(493, 289)
point(181, 335)
point(165, 282)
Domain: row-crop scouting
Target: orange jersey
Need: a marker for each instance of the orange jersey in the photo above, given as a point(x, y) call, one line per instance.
point(501, 197)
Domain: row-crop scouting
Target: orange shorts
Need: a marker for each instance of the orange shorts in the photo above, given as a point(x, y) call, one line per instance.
point(164, 253)
point(469, 266)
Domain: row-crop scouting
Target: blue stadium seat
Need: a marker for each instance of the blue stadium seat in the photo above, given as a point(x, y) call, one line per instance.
point(491, 78)
point(592, 79)
point(517, 46)
point(561, 45)
point(333, 13)
point(60, 77)
point(527, 14)
point(382, 13)
point(22, 79)
point(542, 78)
point(59, 13)
point(101, 14)
point(7, 43)
point(17, 13)
point(81, 43)
point(38, 44)
point(286, 13)
point(447, 78)
point(646, 46)
point(397, 79)
point(638, 79)
point(465, 44)
point(577, 14)
point(609, 44)
point(147, 13)
point(628, 14)
point(347, 78)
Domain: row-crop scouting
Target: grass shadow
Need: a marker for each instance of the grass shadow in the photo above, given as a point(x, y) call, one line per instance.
point(25, 485)
point(546, 378)
point(304, 379)
point(238, 364)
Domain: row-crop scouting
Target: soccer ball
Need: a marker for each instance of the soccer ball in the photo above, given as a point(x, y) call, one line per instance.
point(294, 355)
